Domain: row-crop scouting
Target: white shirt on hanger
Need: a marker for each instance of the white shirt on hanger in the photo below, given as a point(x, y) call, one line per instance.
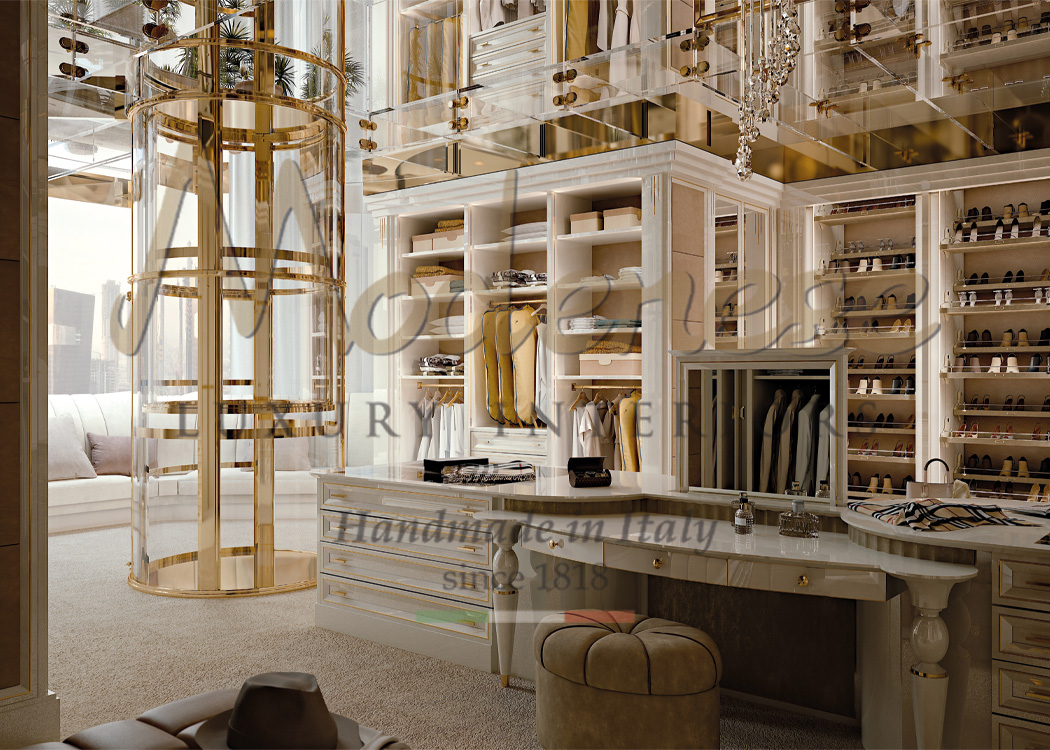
point(590, 431)
point(425, 409)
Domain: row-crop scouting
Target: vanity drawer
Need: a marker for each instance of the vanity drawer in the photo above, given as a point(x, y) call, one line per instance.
point(526, 31)
point(426, 612)
point(420, 539)
point(564, 546)
point(814, 581)
point(468, 584)
point(508, 59)
point(445, 508)
point(704, 569)
point(642, 560)
point(1021, 636)
point(1021, 690)
point(1023, 583)
point(508, 447)
point(1015, 734)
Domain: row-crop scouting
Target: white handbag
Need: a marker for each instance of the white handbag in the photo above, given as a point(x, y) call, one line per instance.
point(925, 489)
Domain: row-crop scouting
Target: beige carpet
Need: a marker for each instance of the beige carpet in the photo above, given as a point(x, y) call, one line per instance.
point(115, 652)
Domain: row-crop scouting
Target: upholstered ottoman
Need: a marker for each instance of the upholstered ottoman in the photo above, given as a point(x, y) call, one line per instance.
point(621, 680)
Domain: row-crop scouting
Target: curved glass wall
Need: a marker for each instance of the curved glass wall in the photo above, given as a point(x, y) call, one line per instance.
point(237, 292)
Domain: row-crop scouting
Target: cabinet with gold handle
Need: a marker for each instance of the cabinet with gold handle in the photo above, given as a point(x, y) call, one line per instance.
point(467, 548)
point(803, 580)
point(555, 543)
point(1032, 695)
point(1040, 584)
point(658, 562)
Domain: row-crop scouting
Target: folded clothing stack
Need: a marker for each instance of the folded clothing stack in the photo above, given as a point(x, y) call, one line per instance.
point(582, 323)
point(531, 231)
point(631, 273)
point(453, 325)
point(512, 278)
point(618, 323)
point(450, 225)
point(612, 347)
point(427, 272)
point(441, 364)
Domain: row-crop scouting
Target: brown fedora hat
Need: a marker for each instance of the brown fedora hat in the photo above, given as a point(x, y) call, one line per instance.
point(279, 711)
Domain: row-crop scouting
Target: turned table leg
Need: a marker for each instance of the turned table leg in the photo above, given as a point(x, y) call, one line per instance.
point(505, 600)
point(929, 640)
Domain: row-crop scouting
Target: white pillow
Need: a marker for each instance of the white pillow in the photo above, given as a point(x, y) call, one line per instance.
point(66, 458)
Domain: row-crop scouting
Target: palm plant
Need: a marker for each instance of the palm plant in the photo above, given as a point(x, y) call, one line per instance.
point(68, 11)
point(352, 69)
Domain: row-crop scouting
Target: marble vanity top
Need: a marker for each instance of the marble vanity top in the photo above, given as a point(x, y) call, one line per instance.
point(552, 486)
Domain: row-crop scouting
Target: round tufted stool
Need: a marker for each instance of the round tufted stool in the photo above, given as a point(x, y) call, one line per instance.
point(621, 680)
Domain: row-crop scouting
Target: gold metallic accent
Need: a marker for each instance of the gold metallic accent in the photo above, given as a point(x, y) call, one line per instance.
point(565, 100)
point(567, 76)
point(695, 71)
point(176, 576)
point(505, 593)
point(803, 580)
point(929, 675)
point(459, 124)
point(458, 103)
point(658, 562)
point(824, 107)
point(1032, 695)
point(504, 680)
point(367, 125)
point(468, 549)
point(367, 145)
point(555, 543)
point(914, 44)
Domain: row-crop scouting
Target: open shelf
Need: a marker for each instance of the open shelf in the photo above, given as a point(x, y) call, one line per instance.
point(599, 331)
point(839, 276)
point(983, 308)
point(854, 217)
point(981, 56)
point(984, 246)
point(1043, 375)
point(604, 237)
point(435, 254)
point(518, 246)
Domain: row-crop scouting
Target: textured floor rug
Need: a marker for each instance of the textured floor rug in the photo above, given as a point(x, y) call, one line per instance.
point(115, 652)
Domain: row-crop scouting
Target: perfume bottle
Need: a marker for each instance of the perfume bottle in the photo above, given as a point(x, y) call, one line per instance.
point(744, 518)
point(797, 522)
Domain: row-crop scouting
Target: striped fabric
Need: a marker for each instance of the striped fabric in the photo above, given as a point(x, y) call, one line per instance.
point(934, 515)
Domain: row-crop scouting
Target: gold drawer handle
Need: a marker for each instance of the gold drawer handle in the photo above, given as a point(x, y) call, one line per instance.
point(338, 560)
point(1044, 584)
point(658, 563)
point(1037, 639)
point(337, 494)
point(803, 580)
point(468, 549)
point(555, 543)
point(466, 512)
point(338, 593)
point(1031, 694)
point(469, 623)
point(468, 585)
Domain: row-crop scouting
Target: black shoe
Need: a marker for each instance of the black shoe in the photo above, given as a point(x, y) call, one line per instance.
point(909, 385)
point(1037, 361)
point(849, 304)
point(890, 421)
point(972, 462)
point(880, 421)
point(1046, 404)
point(909, 303)
point(850, 419)
point(986, 463)
point(973, 279)
point(986, 212)
point(889, 362)
point(1019, 276)
point(898, 384)
point(984, 278)
point(1020, 403)
point(972, 337)
point(911, 363)
point(880, 363)
point(1044, 467)
point(1044, 337)
point(855, 479)
point(904, 482)
point(986, 337)
point(1009, 278)
point(909, 261)
point(1044, 207)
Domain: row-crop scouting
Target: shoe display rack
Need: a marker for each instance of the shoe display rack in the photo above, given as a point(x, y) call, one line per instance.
point(728, 266)
point(867, 280)
point(999, 365)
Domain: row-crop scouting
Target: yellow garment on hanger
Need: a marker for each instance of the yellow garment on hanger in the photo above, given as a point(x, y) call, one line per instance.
point(506, 367)
point(488, 340)
point(581, 28)
point(416, 64)
point(628, 434)
point(449, 54)
point(523, 358)
point(434, 43)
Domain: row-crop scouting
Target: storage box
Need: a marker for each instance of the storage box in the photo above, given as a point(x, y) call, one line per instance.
point(623, 218)
point(610, 365)
point(589, 222)
point(452, 240)
point(433, 285)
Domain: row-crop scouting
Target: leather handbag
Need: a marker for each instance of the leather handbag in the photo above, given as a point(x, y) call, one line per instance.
point(925, 489)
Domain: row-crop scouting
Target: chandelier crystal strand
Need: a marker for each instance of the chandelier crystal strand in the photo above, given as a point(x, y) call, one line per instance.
point(769, 50)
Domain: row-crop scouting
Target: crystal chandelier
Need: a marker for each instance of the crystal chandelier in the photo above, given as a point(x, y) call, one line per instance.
point(769, 49)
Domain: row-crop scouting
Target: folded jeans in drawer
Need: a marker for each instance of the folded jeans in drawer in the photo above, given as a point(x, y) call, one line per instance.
point(1023, 582)
point(643, 560)
point(425, 611)
point(447, 580)
point(420, 539)
point(443, 508)
point(814, 581)
point(1021, 636)
point(1021, 690)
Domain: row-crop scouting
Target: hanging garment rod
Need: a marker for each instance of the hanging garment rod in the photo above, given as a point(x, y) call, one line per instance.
point(576, 387)
point(438, 386)
point(518, 302)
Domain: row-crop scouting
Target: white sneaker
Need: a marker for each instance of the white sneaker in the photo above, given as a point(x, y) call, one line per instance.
point(998, 297)
point(876, 264)
point(862, 267)
point(862, 388)
point(1011, 364)
point(997, 364)
point(962, 299)
point(876, 387)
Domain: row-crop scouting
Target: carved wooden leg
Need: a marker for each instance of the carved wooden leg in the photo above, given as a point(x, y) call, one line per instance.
point(505, 601)
point(929, 640)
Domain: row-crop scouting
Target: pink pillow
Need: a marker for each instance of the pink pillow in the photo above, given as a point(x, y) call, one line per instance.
point(110, 454)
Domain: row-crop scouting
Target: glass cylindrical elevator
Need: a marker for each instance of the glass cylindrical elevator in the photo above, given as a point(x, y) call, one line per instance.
point(237, 293)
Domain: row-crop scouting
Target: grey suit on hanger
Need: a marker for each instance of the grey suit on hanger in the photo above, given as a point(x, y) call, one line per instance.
point(824, 445)
point(805, 470)
point(786, 449)
point(770, 434)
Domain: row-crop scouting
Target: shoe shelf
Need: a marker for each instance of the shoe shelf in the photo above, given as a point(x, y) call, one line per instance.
point(726, 266)
point(456, 252)
point(865, 215)
point(533, 244)
point(885, 457)
point(976, 476)
point(882, 370)
point(984, 438)
point(982, 246)
point(884, 275)
point(980, 56)
point(597, 331)
point(990, 286)
point(883, 332)
point(963, 348)
point(876, 431)
point(434, 337)
point(955, 308)
point(873, 252)
point(613, 285)
point(854, 396)
point(726, 231)
point(512, 292)
point(861, 492)
point(1023, 375)
point(977, 410)
point(884, 312)
point(433, 298)
point(433, 378)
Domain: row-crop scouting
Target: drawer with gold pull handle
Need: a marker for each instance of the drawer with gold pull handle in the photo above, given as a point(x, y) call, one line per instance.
point(1021, 636)
point(467, 548)
point(803, 580)
point(450, 581)
point(658, 563)
point(1021, 582)
point(1032, 695)
point(555, 543)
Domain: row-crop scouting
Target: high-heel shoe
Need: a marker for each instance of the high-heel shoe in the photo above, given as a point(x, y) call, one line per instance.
point(995, 433)
point(1022, 468)
point(1033, 495)
point(1008, 404)
point(997, 364)
point(873, 486)
point(887, 485)
point(1008, 337)
point(1022, 338)
point(974, 430)
point(1011, 364)
point(1008, 467)
point(1009, 434)
point(898, 449)
point(862, 387)
point(863, 450)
